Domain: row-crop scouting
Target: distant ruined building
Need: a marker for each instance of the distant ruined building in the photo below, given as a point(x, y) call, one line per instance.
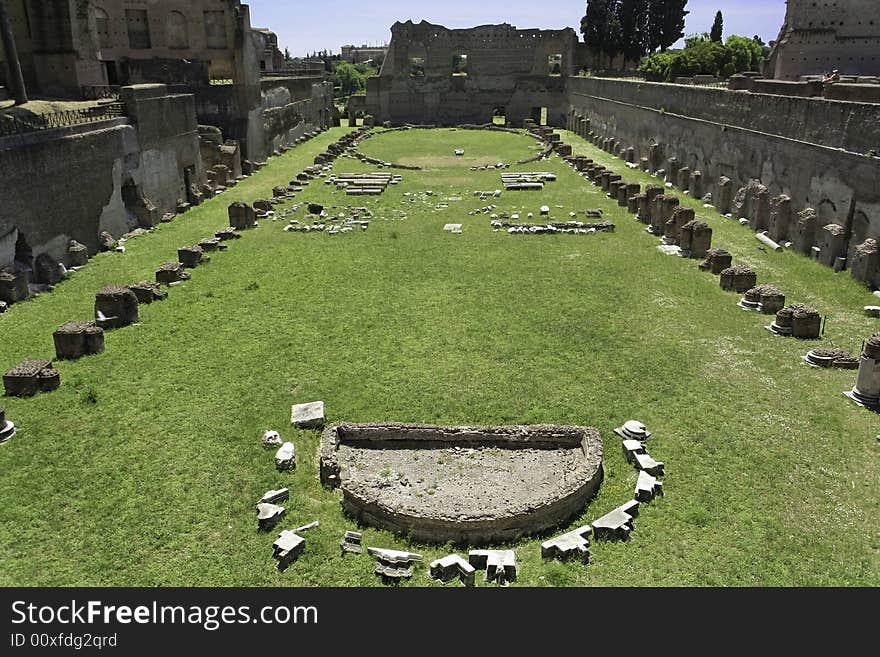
point(820, 36)
point(434, 74)
point(361, 54)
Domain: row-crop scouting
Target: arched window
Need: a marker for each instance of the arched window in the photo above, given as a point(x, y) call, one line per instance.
point(102, 26)
point(176, 30)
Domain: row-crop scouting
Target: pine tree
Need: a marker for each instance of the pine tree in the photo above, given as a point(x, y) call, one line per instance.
point(717, 33)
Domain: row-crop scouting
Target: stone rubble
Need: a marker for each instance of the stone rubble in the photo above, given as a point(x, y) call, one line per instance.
point(289, 545)
point(285, 457)
point(394, 564)
point(352, 543)
point(30, 377)
point(268, 515)
point(500, 565)
point(271, 440)
point(573, 544)
point(448, 568)
point(308, 416)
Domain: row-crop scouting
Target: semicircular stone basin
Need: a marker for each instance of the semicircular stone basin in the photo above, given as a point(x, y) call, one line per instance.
point(473, 485)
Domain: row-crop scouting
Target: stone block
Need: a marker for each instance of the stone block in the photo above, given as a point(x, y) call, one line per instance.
point(450, 567)
point(663, 208)
point(77, 254)
point(148, 292)
point(645, 462)
point(672, 230)
point(226, 234)
point(241, 216)
point(571, 545)
point(725, 195)
point(631, 447)
point(271, 440)
point(287, 548)
point(275, 496)
point(13, 287)
point(806, 322)
point(805, 227)
point(647, 487)
point(171, 272)
point(268, 515)
point(285, 457)
point(352, 542)
point(7, 428)
point(832, 244)
point(106, 242)
point(500, 565)
point(30, 377)
point(696, 239)
point(738, 278)
point(190, 256)
point(308, 416)
point(683, 179)
point(696, 184)
point(655, 157)
point(865, 262)
point(633, 430)
point(76, 339)
point(617, 524)
point(759, 208)
point(115, 306)
point(780, 218)
point(672, 167)
point(394, 564)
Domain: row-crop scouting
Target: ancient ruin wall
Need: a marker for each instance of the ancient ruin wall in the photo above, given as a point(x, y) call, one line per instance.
point(507, 69)
point(69, 183)
point(744, 136)
point(820, 36)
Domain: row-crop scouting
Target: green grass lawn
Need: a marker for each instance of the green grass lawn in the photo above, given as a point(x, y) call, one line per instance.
point(143, 468)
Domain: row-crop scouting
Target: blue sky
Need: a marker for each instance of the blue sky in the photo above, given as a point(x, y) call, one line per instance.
point(305, 25)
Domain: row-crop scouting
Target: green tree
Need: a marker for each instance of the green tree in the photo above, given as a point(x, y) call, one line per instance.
point(594, 25)
point(657, 67)
point(672, 25)
point(348, 78)
point(717, 32)
point(745, 54)
point(633, 28)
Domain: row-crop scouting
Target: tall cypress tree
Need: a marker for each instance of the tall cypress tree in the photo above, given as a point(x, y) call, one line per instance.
point(594, 25)
point(673, 22)
point(717, 33)
point(634, 28)
point(654, 26)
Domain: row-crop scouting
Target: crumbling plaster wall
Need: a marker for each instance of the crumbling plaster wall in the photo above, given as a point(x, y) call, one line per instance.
point(58, 187)
point(67, 183)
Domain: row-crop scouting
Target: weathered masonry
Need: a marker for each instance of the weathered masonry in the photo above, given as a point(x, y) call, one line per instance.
point(432, 74)
point(113, 174)
point(820, 36)
point(812, 162)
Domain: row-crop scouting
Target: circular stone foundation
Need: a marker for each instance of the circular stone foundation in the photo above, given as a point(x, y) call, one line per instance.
point(473, 485)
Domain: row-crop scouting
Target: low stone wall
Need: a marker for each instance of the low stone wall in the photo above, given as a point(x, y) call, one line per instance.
point(441, 484)
point(738, 140)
